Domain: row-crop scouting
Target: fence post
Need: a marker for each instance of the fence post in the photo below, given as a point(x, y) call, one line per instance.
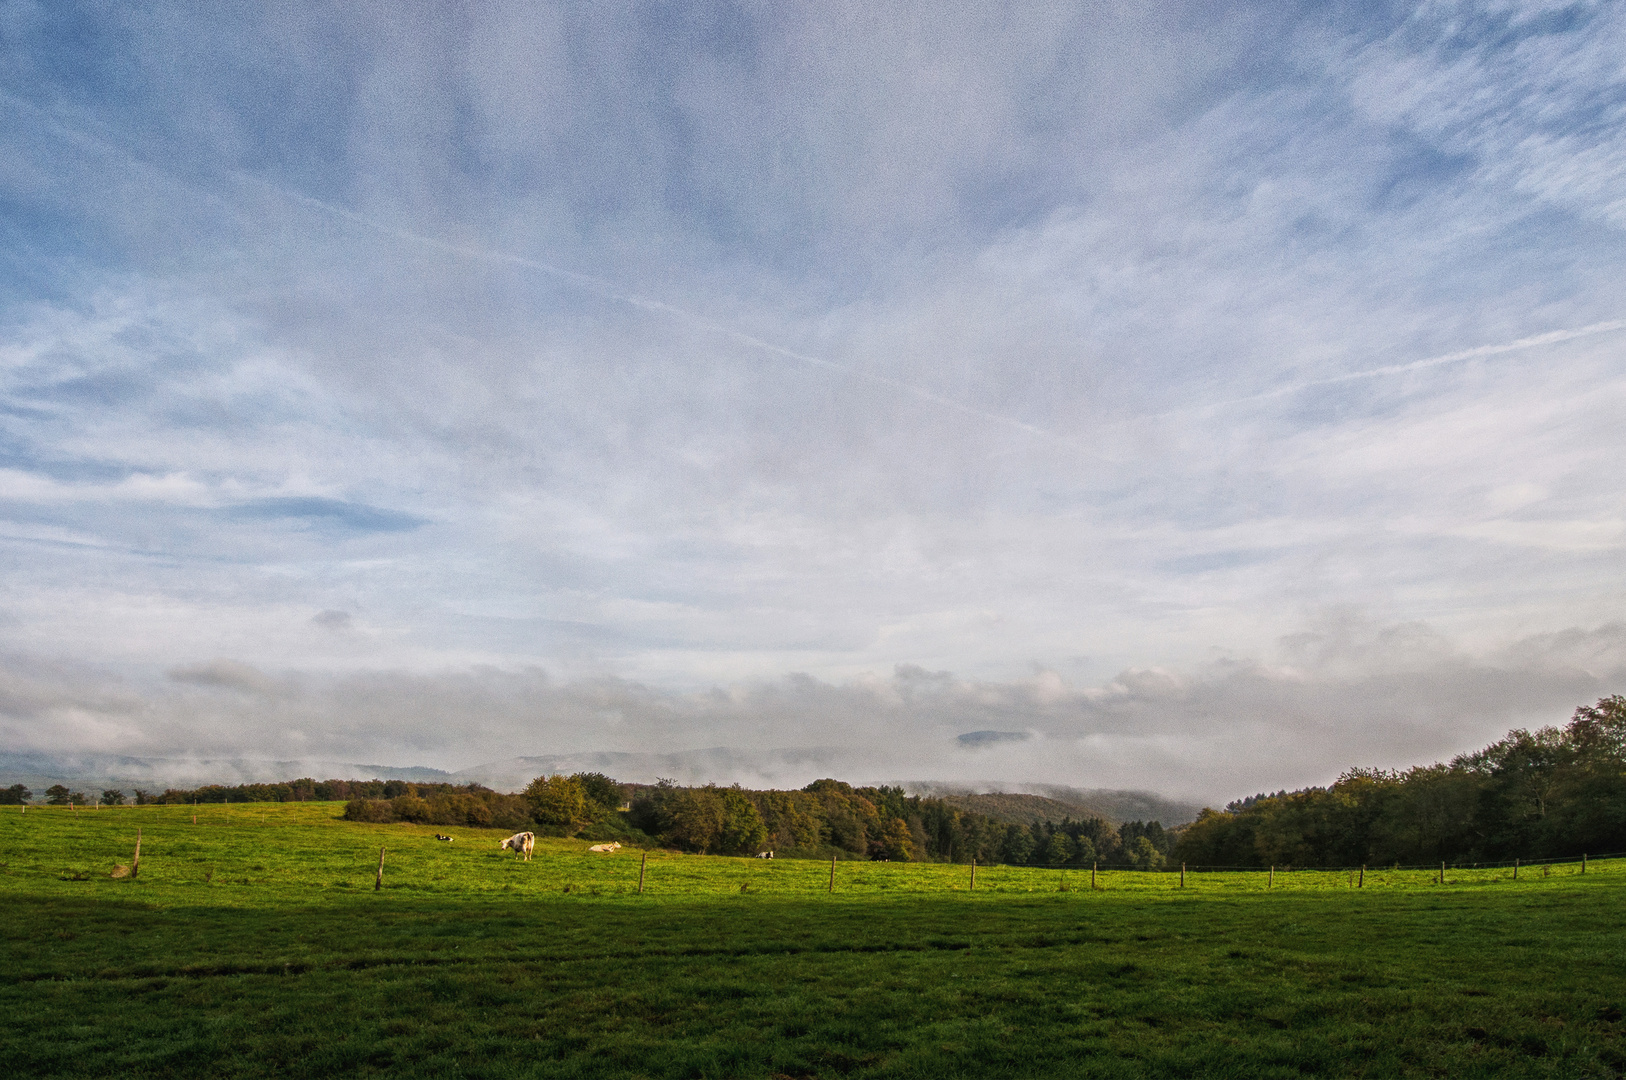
point(832, 873)
point(643, 862)
point(1182, 875)
point(973, 873)
point(1270, 882)
point(378, 883)
point(1092, 875)
point(1442, 871)
point(1583, 862)
point(135, 863)
point(1515, 869)
point(1361, 882)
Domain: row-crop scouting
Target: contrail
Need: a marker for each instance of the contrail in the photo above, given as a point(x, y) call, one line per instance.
point(1552, 337)
point(601, 286)
point(612, 291)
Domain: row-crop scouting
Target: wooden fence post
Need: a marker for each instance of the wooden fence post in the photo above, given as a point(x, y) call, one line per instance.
point(832, 873)
point(1515, 869)
point(643, 862)
point(1092, 874)
point(1360, 882)
point(1583, 862)
point(1270, 882)
point(378, 882)
point(973, 874)
point(1182, 875)
point(1442, 871)
point(135, 863)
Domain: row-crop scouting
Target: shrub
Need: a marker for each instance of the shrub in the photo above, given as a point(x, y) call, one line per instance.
point(410, 808)
point(377, 811)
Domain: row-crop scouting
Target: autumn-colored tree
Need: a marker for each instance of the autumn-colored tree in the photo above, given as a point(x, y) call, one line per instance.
point(894, 843)
point(557, 803)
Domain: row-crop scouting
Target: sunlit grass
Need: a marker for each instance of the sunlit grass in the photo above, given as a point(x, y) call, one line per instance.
point(254, 944)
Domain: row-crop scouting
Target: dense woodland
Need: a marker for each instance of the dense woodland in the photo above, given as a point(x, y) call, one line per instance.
point(829, 818)
point(1552, 793)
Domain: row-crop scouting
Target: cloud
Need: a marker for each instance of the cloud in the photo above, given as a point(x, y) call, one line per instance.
point(332, 620)
point(1258, 365)
point(335, 513)
point(225, 674)
point(1344, 693)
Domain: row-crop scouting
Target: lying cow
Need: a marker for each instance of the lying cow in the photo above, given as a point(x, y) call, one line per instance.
point(448, 839)
point(764, 855)
point(521, 843)
point(606, 847)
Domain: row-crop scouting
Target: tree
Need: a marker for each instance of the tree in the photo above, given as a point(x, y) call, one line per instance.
point(113, 797)
point(1084, 852)
point(142, 798)
point(1143, 854)
point(743, 832)
point(894, 843)
point(1018, 846)
point(1058, 851)
point(558, 802)
point(57, 795)
point(602, 793)
point(1600, 730)
point(694, 819)
point(15, 795)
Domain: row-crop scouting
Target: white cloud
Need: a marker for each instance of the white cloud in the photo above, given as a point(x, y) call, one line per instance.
point(689, 349)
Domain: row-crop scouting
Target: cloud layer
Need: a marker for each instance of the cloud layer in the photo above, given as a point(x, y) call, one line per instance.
point(729, 363)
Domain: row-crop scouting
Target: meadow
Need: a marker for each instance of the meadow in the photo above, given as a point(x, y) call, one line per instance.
point(253, 943)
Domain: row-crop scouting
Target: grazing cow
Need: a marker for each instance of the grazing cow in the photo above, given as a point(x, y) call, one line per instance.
point(764, 854)
point(448, 839)
point(521, 843)
point(606, 847)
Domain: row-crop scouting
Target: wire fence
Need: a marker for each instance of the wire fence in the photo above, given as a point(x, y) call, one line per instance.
point(1448, 864)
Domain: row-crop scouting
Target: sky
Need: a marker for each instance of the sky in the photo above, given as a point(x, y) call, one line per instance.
point(1216, 396)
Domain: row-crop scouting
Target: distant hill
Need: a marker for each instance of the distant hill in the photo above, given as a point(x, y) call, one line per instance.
point(791, 768)
point(783, 768)
point(100, 771)
point(1024, 808)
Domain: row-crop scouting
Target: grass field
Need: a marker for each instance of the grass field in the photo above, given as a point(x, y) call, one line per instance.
point(254, 944)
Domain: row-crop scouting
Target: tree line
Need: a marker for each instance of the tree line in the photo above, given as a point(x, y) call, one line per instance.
point(1550, 793)
point(829, 818)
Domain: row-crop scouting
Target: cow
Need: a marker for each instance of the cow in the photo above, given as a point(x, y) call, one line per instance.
point(764, 855)
point(606, 847)
point(448, 839)
point(521, 844)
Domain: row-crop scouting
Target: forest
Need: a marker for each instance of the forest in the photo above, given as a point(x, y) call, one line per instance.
point(1550, 793)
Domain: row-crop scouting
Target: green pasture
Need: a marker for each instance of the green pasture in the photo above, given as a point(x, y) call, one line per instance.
point(253, 943)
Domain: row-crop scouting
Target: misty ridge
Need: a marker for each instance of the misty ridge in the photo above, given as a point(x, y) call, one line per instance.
point(1548, 794)
point(1341, 691)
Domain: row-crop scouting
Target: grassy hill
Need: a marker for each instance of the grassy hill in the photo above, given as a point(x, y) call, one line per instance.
point(254, 944)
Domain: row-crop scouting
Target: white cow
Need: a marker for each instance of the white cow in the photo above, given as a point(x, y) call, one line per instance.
point(521, 843)
point(616, 846)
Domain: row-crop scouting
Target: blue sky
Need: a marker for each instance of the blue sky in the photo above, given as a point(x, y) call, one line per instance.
point(427, 384)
